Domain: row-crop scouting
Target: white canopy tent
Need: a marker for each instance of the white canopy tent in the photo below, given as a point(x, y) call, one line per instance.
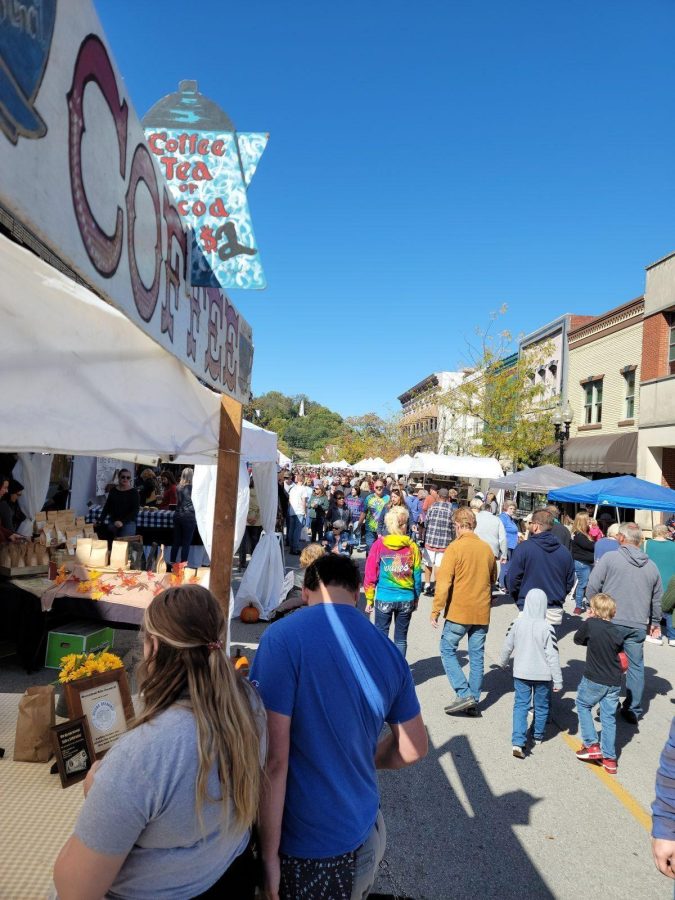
point(402, 465)
point(79, 378)
point(340, 464)
point(479, 467)
point(283, 460)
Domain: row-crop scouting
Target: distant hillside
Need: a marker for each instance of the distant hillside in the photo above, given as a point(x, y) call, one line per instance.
point(310, 434)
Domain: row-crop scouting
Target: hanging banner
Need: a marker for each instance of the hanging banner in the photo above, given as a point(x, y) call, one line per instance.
point(209, 167)
point(78, 174)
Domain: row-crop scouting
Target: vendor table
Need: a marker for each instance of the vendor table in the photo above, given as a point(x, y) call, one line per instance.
point(146, 518)
point(30, 607)
point(38, 815)
point(128, 598)
point(156, 526)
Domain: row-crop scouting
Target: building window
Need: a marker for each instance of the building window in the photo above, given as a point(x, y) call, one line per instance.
point(630, 395)
point(593, 402)
point(671, 346)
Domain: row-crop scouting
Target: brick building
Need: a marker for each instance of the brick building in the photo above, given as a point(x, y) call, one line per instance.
point(603, 388)
point(656, 436)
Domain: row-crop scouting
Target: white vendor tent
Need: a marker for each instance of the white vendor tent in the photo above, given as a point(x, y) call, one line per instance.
point(375, 464)
point(402, 465)
point(479, 467)
point(80, 378)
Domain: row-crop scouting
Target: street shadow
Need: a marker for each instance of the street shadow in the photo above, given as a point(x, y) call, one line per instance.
point(425, 669)
point(496, 683)
point(476, 828)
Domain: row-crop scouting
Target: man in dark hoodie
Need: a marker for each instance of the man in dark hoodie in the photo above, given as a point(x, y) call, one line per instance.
point(541, 562)
point(633, 580)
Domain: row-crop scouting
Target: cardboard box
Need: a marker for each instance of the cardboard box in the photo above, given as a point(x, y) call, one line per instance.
point(76, 637)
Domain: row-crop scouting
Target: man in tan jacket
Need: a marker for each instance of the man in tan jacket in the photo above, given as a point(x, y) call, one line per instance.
point(464, 595)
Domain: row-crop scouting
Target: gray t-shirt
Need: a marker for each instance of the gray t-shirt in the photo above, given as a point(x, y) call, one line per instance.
point(142, 802)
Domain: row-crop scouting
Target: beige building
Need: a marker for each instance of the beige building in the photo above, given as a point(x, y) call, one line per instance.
point(656, 445)
point(428, 421)
point(603, 389)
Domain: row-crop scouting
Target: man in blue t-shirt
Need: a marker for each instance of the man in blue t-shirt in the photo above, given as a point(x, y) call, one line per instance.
point(329, 680)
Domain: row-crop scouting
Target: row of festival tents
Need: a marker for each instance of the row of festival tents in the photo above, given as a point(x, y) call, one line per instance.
point(439, 464)
point(562, 486)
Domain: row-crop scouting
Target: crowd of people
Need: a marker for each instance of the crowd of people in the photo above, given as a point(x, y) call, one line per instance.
point(297, 748)
point(420, 541)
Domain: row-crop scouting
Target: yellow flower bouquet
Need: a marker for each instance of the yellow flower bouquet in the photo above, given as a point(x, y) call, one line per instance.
point(83, 665)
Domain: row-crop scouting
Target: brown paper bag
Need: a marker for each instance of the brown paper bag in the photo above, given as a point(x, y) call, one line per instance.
point(36, 717)
point(119, 555)
point(99, 553)
point(83, 550)
point(52, 515)
point(80, 522)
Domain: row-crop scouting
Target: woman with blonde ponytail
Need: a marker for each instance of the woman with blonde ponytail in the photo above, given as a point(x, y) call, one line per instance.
point(168, 812)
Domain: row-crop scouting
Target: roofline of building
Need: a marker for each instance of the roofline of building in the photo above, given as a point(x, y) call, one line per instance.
point(421, 383)
point(659, 261)
point(624, 307)
point(545, 330)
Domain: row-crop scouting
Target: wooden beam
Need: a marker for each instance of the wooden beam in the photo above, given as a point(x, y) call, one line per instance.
point(225, 508)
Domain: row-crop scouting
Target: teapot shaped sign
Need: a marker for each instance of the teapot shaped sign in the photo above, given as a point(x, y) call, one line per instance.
point(209, 166)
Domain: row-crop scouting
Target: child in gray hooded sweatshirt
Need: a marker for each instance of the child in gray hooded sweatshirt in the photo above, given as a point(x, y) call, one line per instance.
point(532, 641)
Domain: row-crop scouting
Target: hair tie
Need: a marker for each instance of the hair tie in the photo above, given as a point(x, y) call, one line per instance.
point(215, 645)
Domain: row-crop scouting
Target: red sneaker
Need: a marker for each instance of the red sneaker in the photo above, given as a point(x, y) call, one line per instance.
point(609, 765)
point(593, 753)
point(578, 611)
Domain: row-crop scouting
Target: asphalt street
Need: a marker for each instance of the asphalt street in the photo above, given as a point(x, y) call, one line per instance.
point(472, 821)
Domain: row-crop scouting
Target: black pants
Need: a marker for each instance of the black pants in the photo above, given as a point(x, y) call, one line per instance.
point(238, 881)
point(184, 528)
point(249, 542)
point(316, 529)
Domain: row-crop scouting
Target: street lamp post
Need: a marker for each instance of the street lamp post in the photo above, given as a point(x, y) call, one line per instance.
point(562, 419)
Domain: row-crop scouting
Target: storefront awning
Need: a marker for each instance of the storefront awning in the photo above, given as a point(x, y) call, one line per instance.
point(607, 453)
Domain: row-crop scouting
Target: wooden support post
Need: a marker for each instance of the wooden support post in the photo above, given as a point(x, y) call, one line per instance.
point(225, 507)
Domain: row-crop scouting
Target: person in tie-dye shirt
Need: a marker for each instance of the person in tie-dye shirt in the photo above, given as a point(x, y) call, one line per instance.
point(372, 507)
point(393, 578)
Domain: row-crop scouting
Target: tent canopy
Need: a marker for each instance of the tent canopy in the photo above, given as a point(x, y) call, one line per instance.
point(539, 480)
point(625, 491)
point(456, 466)
point(400, 466)
point(80, 378)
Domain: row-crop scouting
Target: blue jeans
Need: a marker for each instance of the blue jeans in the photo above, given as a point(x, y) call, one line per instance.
point(184, 528)
point(527, 693)
point(634, 645)
point(589, 694)
point(503, 569)
point(670, 631)
point(371, 537)
point(295, 524)
point(583, 572)
point(401, 613)
point(127, 529)
point(453, 633)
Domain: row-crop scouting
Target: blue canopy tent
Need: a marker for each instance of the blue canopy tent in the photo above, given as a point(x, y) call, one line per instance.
point(624, 491)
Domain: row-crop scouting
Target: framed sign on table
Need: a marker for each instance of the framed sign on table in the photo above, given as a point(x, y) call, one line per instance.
point(73, 749)
point(104, 700)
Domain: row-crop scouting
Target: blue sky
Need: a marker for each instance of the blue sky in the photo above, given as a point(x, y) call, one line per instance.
point(427, 163)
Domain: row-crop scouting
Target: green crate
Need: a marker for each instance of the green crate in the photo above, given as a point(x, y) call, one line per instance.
point(76, 637)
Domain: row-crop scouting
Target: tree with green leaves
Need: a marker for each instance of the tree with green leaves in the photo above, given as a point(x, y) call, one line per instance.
point(508, 409)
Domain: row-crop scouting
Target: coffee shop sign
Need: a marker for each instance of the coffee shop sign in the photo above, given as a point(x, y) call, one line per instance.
point(88, 186)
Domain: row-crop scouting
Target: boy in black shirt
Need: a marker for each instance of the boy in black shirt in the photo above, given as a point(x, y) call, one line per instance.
point(601, 683)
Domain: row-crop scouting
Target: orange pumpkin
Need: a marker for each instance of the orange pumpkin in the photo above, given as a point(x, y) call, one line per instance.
point(249, 614)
